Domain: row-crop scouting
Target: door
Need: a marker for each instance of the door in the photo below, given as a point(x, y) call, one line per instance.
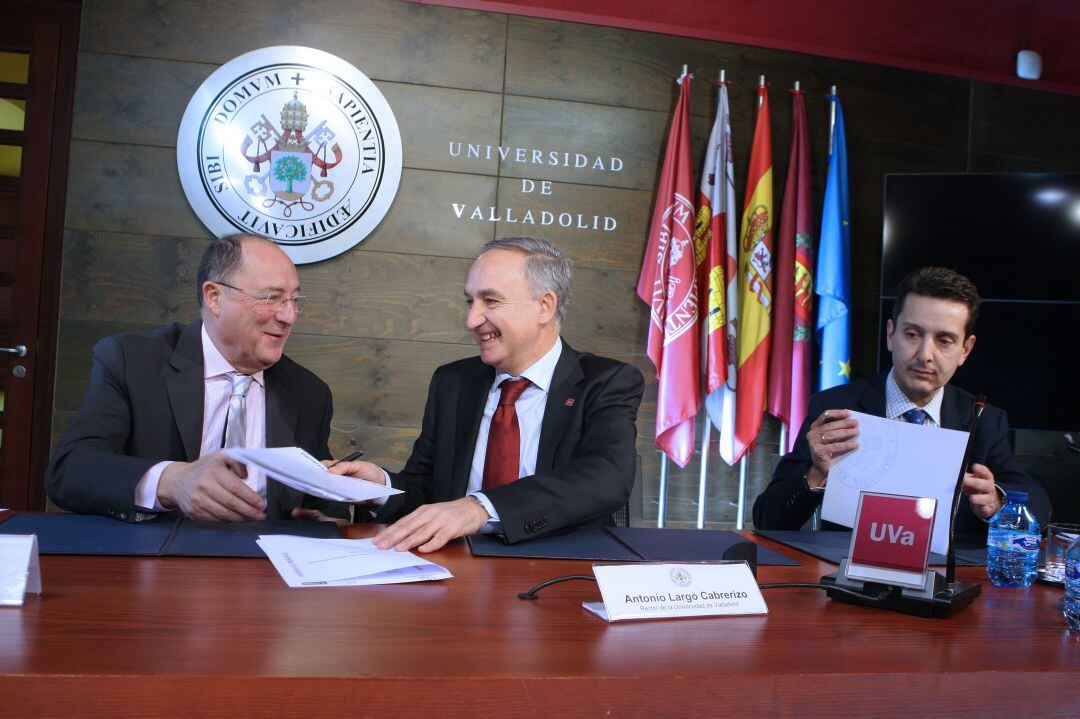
point(35, 113)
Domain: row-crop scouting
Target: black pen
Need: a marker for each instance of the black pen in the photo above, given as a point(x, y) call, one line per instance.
point(355, 455)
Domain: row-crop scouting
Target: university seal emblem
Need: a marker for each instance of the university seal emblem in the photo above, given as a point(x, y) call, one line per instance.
point(294, 144)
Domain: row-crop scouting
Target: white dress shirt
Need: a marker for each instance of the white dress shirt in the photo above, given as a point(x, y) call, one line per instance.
point(530, 414)
point(896, 403)
point(217, 390)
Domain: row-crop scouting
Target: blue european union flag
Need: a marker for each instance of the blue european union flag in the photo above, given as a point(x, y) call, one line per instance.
point(834, 267)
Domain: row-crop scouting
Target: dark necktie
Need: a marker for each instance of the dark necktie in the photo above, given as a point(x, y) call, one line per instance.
point(502, 460)
point(915, 416)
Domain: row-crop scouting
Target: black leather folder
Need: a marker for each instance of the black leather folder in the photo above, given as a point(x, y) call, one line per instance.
point(624, 544)
point(834, 546)
point(91, 534)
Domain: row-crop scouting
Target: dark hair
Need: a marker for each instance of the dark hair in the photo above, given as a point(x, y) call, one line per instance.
point(940, 283)
point(546, 267)
point(221, 260)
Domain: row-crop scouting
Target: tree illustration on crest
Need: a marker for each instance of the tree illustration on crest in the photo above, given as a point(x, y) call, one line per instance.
point(288, 169)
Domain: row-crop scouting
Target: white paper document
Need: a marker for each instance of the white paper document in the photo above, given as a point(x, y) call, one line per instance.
point(298, 469)
point(307, 562)
point(897, 458)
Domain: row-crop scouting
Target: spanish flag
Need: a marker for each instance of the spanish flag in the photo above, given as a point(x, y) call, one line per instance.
point(755, 284)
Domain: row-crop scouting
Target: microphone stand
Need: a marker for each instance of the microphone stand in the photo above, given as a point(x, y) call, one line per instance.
point(976, 414)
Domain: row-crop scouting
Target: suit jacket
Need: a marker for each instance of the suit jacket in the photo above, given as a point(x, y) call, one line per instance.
point(144, 405)
point(586, 458)
point(788, 502)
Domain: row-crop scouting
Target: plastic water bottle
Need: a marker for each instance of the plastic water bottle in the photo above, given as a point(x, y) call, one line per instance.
point(1012, 544)
point(1070, 605)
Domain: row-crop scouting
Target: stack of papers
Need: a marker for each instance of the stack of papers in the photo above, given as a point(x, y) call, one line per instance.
point(296, 468)
point(304, 562)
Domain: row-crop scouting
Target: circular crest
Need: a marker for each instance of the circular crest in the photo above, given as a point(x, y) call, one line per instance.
point(294, 144)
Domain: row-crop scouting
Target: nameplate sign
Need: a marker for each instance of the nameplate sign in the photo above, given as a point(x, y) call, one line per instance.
point(655, 591)
point(20, 569)
point(891, 540)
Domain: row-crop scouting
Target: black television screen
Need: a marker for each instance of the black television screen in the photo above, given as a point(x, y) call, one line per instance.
point(1017, 236)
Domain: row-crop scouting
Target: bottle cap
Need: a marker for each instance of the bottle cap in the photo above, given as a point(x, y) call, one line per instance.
point(1017, 497)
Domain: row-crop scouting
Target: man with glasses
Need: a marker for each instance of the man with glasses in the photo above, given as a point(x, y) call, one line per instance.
point(161, 405)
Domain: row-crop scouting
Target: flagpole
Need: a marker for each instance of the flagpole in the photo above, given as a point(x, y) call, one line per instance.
point(706, 431)
point(661, 509)
point(706, 436)
point(741, 509)
point(832, 116)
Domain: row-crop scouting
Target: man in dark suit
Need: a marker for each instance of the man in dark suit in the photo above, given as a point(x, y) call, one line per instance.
point(930, 334)
point(161, 404)
point(571, 417)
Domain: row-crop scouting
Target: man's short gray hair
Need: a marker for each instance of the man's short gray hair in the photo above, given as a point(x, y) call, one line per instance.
point(547, 268)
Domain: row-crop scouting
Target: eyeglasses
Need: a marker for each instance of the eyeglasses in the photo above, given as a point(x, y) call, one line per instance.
point(275, 300)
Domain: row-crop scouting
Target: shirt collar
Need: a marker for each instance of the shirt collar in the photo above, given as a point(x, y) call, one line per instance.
point(896, 402)
point(215, 364)
point(541, 372)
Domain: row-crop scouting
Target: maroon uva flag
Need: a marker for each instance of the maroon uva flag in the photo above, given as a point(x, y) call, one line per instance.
point(668, 285)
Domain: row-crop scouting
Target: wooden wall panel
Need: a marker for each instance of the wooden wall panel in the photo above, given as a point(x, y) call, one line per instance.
point(620, 249)
point(389, 40)
point(140, 101)
point(127, 188)
point(385, 314)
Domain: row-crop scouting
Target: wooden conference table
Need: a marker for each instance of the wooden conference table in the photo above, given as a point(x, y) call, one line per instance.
point(144, 637)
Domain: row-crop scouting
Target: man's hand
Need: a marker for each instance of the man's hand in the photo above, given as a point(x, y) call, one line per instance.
point(833, 434)
point(211, 489)
point(433, 525)
point(981, 491)
point(358, 470)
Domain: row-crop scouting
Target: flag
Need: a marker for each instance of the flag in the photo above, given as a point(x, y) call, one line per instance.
point(716, 252)
point(668, 285)
point(755, 285)
point(834, 267)
point(789, 368)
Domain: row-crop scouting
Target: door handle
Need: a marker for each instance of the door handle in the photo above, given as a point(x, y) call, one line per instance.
point(17, 350)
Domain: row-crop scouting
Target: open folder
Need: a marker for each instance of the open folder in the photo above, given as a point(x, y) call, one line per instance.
point(296, 468)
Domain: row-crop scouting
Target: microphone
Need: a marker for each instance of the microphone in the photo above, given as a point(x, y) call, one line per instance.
point(944, 596)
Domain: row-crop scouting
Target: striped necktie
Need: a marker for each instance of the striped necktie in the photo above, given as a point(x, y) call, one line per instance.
point(236, 423)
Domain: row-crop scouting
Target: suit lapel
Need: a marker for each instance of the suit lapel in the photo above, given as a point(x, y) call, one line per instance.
point(184, 384)
point(952, 411)
point(280, 432)
point(557, 412)
point(470, 411)
point(280, 407)
point(872, 400)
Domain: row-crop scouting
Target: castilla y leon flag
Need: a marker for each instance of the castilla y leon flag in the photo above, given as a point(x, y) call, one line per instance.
point(716, 253)
point(667, 284)
point(789, 368)
point(755, 285)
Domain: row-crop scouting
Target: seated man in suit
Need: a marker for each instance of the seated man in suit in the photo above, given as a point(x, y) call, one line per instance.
point(930, 334)
point(532, 434)
point(161, 404)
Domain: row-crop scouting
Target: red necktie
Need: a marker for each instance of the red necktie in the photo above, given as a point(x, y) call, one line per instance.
point(502, 461)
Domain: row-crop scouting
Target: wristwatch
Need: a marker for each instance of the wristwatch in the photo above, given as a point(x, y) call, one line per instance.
point(813, 490)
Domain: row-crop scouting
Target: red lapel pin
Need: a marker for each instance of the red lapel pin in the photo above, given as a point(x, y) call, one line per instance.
point(570, 402)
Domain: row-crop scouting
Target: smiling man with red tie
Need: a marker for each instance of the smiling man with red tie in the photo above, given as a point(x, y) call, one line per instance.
point(529, 437)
